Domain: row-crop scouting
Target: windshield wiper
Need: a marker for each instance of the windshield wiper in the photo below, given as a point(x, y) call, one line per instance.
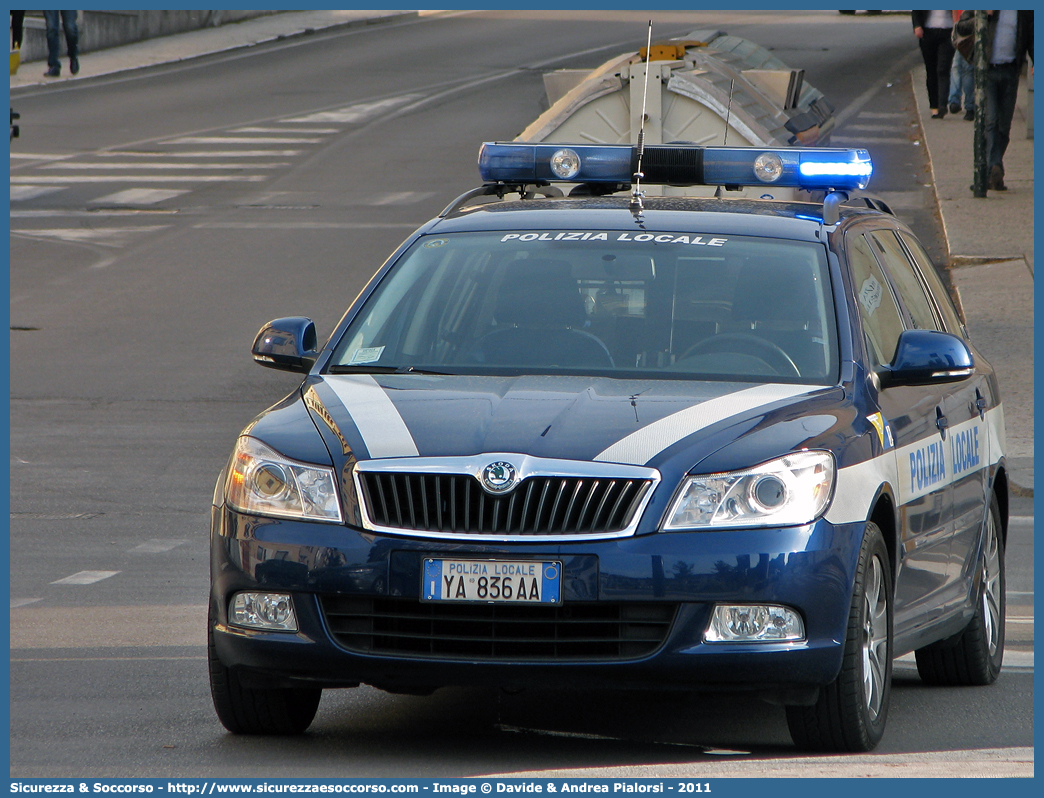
point(369, 368)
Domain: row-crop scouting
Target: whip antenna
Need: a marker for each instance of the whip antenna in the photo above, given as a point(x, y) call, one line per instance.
point(636, 194)
point(728, 113)
point(725, 138)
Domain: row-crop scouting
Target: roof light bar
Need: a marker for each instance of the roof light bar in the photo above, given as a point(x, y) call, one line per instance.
point(677, 165)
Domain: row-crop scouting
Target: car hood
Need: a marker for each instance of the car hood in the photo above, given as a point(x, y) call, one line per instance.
point(639, 422)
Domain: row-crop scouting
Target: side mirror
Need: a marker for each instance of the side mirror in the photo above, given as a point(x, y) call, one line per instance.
point(287, 344)
point(928, 357)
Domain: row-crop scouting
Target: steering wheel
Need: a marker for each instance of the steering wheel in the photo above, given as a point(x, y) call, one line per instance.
point(747, 344)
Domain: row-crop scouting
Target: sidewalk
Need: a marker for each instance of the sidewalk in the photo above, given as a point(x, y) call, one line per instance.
point(182, 46)
point(990, 243)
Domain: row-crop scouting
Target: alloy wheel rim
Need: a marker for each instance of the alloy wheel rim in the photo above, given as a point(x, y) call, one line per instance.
point(875, 638)
point(991, 593)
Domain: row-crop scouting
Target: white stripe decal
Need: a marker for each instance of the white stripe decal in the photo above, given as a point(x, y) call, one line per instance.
point(382, 428)
point(857, 485)
point(970, 446)
point(641, 446)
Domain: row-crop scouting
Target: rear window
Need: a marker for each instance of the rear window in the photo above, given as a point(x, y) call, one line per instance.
point(629, 304)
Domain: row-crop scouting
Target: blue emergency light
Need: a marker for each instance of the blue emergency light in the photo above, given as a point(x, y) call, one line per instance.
point(677, 165)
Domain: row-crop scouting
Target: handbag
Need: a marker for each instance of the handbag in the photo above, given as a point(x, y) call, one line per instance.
point(964, 43)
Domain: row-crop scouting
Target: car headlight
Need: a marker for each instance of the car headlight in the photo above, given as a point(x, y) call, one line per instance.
point(263, 482)
point(792, 490)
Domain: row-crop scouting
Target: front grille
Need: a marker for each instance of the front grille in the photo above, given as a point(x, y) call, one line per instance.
point(408, 628)
point(540, 505)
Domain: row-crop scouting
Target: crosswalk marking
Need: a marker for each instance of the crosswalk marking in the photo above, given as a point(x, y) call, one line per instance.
point(103, 236)
point(133, 626)
point(137, 178)
point(400, 197)
point(296, 225)
point(85, 578)
point(294, 131)
point(156, 546)
point(202, 154)
point(242, 140)
point(162, 165)
point(354, 114)
point(27, 192)
point(140, 196)
point(37, 156)
point(248, 153)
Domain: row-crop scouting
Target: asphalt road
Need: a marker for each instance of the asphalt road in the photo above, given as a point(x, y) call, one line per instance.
point(160, 217)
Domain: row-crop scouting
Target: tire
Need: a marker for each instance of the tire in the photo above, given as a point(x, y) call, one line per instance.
point(249, 710)
point(852, 710)
point(974, 657)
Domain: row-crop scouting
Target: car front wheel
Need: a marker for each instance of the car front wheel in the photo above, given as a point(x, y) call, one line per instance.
point(249, 710)
point(974, 656)
point(851, 711)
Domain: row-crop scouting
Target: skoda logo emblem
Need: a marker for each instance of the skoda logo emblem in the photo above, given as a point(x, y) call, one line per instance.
point(498, 477)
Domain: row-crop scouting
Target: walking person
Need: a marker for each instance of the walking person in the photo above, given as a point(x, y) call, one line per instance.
point(72, 41)
point(962, 82)
point(932, 29)
point(1009, 39)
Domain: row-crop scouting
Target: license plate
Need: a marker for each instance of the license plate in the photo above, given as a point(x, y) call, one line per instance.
point(492, 581)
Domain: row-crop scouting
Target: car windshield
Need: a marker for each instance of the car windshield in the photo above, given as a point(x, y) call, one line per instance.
point(606, 303)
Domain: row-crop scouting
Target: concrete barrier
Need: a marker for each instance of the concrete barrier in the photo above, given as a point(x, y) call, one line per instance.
point(103, 29)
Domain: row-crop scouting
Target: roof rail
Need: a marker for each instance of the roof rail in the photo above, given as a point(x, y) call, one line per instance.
point(524, 191)
point(870, 201)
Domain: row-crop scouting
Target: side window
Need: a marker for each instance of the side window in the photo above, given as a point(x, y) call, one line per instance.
point(950, 317)
point(882, 324)
point(907, 283)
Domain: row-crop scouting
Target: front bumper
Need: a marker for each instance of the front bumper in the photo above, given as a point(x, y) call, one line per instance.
point(808, 568)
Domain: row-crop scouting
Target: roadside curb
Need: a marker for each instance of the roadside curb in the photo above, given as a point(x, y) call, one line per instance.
point(230, 31)
point(978, 295)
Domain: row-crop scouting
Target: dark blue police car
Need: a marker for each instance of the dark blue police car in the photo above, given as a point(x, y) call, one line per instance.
point(589, 440)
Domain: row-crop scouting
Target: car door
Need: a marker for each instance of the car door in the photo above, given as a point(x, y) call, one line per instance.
point(966, 407)
point(911, 415)
point(960, 426)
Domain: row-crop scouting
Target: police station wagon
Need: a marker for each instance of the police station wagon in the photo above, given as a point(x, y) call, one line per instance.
point(595, 439)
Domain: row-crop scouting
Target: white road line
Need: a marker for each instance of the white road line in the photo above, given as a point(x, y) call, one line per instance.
point(854, 140)
point(242, 140)
point(138, 178)
point(85, 578)
point(400, 197)
point(94, 213)
point(308, 226)
point(354, 114)
point(156, 546)
point(140, 196)
point(104, 236)
point(38, 156)
point(23, 602)
point(202, 154)
point(21, 193)
point(134, 626)
point(1021, 519)
point(161, 165)
point(297, 130)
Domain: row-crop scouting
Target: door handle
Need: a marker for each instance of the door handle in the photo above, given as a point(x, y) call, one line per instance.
point(980, 404)
point(941, 421)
